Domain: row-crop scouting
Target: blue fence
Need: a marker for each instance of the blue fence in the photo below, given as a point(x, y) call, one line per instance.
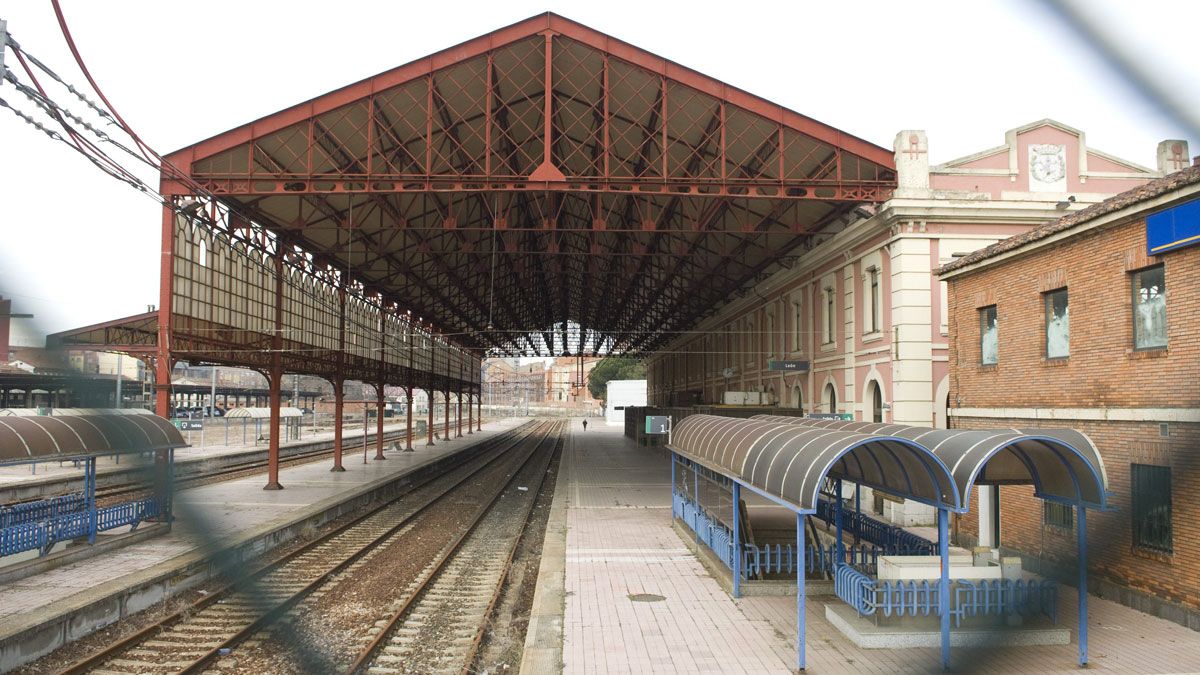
point(761, 560)
point(43, 533)
point(884, 535)
point(28, 512)
point(996, 597)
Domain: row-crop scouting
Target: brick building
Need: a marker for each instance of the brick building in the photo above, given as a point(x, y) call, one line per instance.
point(1077, 323)
point(862, 303)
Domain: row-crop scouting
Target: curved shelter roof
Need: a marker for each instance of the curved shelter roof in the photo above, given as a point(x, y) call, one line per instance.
point(262, 413)
point(606, 185)
point(791, 461)
point(1063, 465)
point(24, 439)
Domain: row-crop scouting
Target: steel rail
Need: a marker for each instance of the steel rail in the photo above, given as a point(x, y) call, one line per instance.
point(368, 653)
point(509, 440)
point(473, 650)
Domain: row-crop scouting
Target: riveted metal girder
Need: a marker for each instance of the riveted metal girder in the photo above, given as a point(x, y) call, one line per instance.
point(540, 176)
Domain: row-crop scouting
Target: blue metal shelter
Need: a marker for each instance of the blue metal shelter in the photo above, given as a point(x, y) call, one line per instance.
point(788, 459)
point(81, 438)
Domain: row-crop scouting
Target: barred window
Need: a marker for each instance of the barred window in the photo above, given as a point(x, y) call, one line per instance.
point(1151, 487)
point(1058, 515)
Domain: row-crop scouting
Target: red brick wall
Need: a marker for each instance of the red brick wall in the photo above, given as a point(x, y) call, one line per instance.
point(1102, 371)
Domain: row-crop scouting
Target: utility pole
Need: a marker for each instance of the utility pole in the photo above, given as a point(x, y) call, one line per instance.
point(119, 356)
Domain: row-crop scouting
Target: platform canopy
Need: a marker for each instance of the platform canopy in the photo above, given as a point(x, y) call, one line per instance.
point(25, 439)
point(791, 462)
point(1063, 465)
point(261, 413)
point(534, 180)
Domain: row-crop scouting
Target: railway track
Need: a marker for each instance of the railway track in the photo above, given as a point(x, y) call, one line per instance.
point(190, 640)
point(443, 615)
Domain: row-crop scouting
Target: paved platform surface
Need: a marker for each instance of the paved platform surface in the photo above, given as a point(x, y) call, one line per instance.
point(620, 547)
point(221, 511)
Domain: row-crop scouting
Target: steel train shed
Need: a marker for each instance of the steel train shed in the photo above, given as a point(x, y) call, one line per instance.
point(544, 189)
point(788, 459)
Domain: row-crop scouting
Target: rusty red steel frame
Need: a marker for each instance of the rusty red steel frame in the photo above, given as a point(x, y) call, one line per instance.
point(490, 196)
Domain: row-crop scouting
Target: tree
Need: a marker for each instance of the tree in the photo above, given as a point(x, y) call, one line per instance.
point(613, 368)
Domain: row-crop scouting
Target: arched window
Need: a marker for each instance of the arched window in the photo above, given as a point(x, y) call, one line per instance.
point(797, 399)
point(830, 399)
point(876, 403)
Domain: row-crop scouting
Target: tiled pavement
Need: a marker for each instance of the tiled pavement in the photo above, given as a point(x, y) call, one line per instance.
point(224, 510)
point(620, 545)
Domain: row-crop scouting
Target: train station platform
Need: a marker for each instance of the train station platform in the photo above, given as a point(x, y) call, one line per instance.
point(620, 592)
point(235, 518)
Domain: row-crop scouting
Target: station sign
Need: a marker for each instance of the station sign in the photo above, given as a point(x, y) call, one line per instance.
point(658, 424)
point(788, 366)
point(189, 425)
point(845, 417)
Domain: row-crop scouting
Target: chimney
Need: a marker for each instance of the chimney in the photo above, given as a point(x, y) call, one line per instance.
point(912, 163)
point(1172, 156)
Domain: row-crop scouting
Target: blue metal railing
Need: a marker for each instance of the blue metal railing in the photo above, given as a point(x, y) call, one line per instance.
point(1006, 596)
point(28, 512)
point(760, 560)
point(884, 535)
point(996, 597)
point(44, 533)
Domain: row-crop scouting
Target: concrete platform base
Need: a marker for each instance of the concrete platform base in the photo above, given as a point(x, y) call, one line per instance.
point(864, 633)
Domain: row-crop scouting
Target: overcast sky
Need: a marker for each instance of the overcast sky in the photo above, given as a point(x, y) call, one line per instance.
point(79, 247)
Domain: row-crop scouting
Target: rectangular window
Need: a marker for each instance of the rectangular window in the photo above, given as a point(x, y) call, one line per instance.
point(1058, 336)
point(873, 322)
point(796, 321)
point(989, 345)
point(1149, 308)
point(1151, 488)
point(828, 315)
point(1058, 515)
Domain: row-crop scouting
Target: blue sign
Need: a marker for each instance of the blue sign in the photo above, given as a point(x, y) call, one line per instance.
point(1177, 227)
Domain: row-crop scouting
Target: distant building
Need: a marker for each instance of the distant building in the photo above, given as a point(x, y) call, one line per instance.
point(1092, 321)
point(507, 384)
point(566, 382)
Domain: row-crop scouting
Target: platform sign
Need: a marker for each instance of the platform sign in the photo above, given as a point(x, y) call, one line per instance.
point(845, 417)
point(788, 366)
point(1176, 227)
point(189, 425)
point(658, 424)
